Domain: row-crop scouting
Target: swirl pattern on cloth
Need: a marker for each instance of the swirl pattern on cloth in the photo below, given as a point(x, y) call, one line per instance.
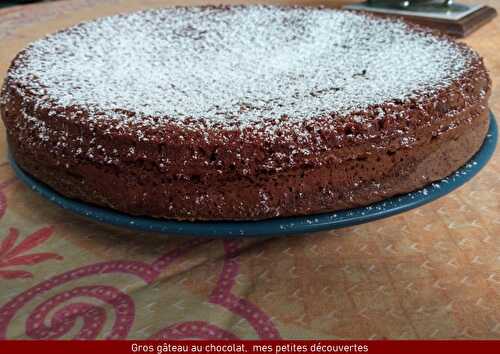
point(64, 310)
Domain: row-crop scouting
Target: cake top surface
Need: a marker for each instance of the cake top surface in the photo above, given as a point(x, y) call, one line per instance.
point(235, 66)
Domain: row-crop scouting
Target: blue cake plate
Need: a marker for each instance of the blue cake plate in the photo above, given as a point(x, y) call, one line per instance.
point(277, 226)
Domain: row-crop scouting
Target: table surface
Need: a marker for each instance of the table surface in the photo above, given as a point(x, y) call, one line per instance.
point(433, 272)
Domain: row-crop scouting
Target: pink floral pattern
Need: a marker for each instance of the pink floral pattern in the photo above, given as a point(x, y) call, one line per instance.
point(223, 296)
point(94, 316)
point(12, 255)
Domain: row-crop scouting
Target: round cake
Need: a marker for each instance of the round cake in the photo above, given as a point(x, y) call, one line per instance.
point(243, 112)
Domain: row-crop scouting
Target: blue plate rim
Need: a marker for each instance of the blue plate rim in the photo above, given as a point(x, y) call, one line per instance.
point(276, 226)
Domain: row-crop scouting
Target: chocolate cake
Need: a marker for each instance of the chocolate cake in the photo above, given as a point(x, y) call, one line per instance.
point(243, 112)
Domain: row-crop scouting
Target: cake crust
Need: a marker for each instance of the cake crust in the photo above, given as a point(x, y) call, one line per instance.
point(258, 154)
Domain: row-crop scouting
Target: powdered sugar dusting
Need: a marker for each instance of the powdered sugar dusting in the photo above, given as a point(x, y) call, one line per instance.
point(236, 66)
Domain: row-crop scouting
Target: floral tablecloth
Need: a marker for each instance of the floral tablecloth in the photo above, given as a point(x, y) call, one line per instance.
point(433, 272)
